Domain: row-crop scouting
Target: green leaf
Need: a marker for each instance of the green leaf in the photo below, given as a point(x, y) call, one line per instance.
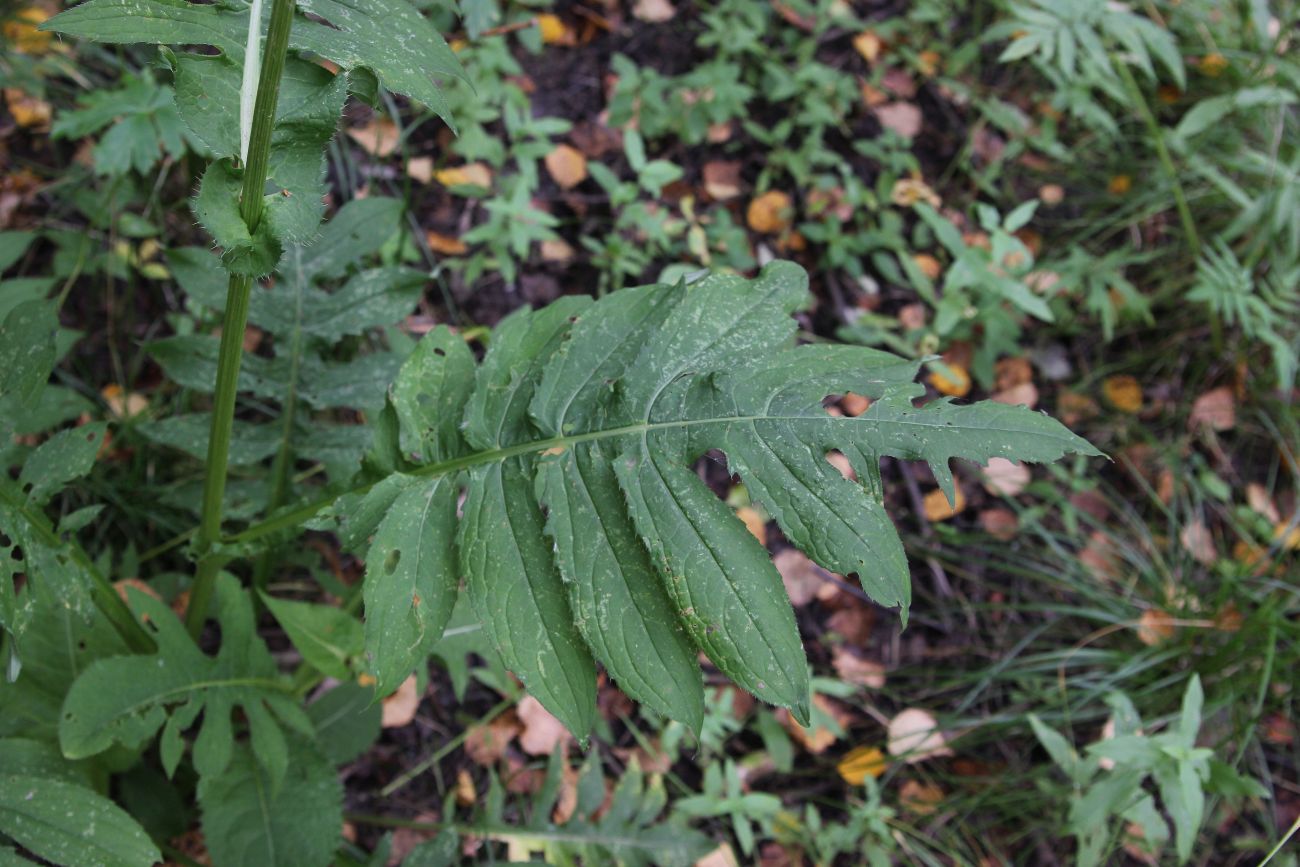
point(347, 721)
point(411, 580)
point(67, 455)
point(441, 851)
point(68, 824)
point(127, 699)
point(12, 247)
point(328, 638)
point(27, 348)
point(217, 207)
point(250, 818)
point(429, 396)
point(585, 525)
point(250, 443)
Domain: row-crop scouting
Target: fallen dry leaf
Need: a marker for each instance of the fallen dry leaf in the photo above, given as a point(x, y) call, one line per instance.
point(1123, 392)
point(920, 798)
point(123, 405)
point(1215, 410)
point(542, 732)
point(1025, 394)
point(840, 462)
point(854, 669)
point(466, 793)
point(567, 166)
point(908, 191)
point(722, 179)
point(853, 622)
point(553, 30)
point(914, 736)
point(1288, 535)
point(912, 317)
point(754, 522)
point(21, 31)
point(1198, 541)
point(420, 169)
point(1257, 497)
point(1155, 627)
point(770, 213)
point(134, 584)
point(1051, 194)
point(955, 383)
point(470, 174)
point(486, 743)
point(799, 575)
point(819, 738)
point(903, 118)
point(929, 266)
point(28, 111)
point(868, 45)
point(377, 138)
point(860, 763)
point(1001, 524)
point(399, 708)
point(1010, 372)
point(723, 856)
point(1005, 477)
point(653, 11)
point(557, 250)
point(855, 405)
point(936, 506)
point(446, 244)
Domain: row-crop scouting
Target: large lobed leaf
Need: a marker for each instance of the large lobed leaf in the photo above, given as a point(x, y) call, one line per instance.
point(585, 531)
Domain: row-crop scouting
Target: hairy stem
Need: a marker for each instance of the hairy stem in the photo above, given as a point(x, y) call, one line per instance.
point(236, 317)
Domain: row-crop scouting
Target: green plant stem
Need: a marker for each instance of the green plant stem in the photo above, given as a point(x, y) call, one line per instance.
point(236, 317)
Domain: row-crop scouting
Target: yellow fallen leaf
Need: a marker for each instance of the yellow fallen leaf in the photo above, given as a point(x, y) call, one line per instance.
point(860, 763)
point(957, 385)
point(937, 507)
point(28, 111)
point(466, 793)
point(399, 708)
point(22, 34)
point(868, 45)
point(914, 736)
point(770, 213)
point(567, 166)
point(906, 192)
point(1123, 392)
point(553, 29)
point(470, 174)
point(1118, 185)
point(1213, 64)
point(377, 138)
point(446, 244)
point(1288, 535)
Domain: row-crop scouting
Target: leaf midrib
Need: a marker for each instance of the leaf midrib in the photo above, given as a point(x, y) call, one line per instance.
point(296, 516)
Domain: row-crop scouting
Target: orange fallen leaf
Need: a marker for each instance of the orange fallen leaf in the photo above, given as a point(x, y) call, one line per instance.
point(956, 385)
point(936, 505)
point(134, 584)
point(820, 737)
point(377, 138)
point(446, 244)
point(469, 174)
point(1155, 627)
point(770, 213)
point(567, 166)
point(1118, 185)
point(928, 265)
point(855, 405)
point(399, 708)
point(860, 763)
point(755, 523)
point(1123, 392)
point(914, 736)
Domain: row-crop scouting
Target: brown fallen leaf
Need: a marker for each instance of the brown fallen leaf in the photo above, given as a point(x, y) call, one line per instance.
point(854, 669)
point(722, 179)
point(556, 250)
point(936, 506)
point(1001, 524)
point(770, 213)
point(446, 244)
point(542, 732)
point(123, 405)
point(1199, 542)
point(420, 169)
point(920, 798)
point(399, 708)
point(914, 736)
point(723, 856)
point(653, 11)
point(1025, 394)
point(928, 265)
point(567, 165)
point(906, 192)
point(912, 317)
point(377, 138)
point(1051, 194)
point(854, 405)
point(820, 737)
point(1214, 410)
point(1261, 503)
point(1005, 478)
point(799, 575)
point(860, 763)
point(486, 743)
point(840, 461)
point(853, 622)
point(903, 118)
